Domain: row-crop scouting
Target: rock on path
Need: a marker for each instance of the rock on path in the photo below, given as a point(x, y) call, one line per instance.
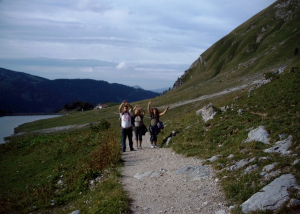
point(160, 181)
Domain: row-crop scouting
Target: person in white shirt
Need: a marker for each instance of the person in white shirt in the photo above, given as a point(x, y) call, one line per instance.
point(125, 116)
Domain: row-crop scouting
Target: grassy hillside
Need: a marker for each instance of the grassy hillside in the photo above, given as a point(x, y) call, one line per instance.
point(58, 173)
point(275, 106)
point(264, 43)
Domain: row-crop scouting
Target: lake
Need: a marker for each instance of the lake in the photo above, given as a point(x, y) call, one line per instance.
point(8, 123)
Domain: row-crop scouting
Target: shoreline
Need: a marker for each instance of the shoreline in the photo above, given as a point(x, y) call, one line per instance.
point(25, 114)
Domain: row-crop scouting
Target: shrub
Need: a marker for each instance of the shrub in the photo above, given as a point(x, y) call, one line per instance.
point(103, 125)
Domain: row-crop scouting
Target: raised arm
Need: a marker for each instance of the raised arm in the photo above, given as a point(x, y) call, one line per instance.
point(120, 107)
point(161, 114)
point(130, 106)
point(148, 107)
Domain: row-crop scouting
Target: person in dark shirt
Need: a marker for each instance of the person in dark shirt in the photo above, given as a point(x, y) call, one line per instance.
point(154, 113)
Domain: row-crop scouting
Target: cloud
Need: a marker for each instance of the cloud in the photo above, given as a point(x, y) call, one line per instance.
point(96, 39)
point(52, 62)
point(88, 5)
point(121, 66)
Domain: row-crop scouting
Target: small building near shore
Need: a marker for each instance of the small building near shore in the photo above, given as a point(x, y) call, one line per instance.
point(100, 106)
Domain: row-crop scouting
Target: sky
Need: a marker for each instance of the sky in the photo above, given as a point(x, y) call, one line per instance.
point(149, 43)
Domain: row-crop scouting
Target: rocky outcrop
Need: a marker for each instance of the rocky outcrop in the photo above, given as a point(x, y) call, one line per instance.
point(207, 112)
point(272, 196)
point(259, 134)
point(180, 80)
point(198, 62)
point(281, 146)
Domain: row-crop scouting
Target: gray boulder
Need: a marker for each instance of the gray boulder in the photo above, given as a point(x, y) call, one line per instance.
point(224, 108)
point(259, 134)
point(269, 167)
point(214, 158)
point(250, 169)
point(230, 156)
point(195, 172)
point(207, 112)
point(272, 196)
point(281, 146)
point(240, 111)
point(240, 164)
point(296, 162)
point(168, 141)
point(268, 176)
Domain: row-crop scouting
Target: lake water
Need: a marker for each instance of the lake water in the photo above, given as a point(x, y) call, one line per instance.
point(8, 123)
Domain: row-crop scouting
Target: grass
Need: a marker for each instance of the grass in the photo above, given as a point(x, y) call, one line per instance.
point(52, 173)
point(72, 118)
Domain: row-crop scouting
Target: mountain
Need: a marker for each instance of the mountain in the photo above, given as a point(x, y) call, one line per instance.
point(137, 87)
point(25, 93)
point(160, 90)
point(267, 42)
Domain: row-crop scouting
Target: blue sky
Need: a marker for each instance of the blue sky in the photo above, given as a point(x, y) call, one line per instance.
point(149, 43)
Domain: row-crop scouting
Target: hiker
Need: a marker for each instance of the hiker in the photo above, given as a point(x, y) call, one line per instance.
point(138, 125)
point(126, 124)
point(153, 124)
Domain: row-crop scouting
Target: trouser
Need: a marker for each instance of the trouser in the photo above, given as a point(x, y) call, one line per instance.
point(154, 133)
point(138, 133)
point(127, 133)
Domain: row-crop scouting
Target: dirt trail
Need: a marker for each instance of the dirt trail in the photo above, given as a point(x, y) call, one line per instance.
point(160, 181)
point(204, 97)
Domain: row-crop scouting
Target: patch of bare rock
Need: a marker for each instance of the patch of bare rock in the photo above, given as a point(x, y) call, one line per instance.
point(160, 181)
point(274, 195)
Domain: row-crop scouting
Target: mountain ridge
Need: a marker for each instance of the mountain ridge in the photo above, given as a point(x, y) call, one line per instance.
point(24, 93)
point(251, 48)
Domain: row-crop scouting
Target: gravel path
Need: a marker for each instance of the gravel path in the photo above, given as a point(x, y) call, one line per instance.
point(160, 181)
point(204, 97)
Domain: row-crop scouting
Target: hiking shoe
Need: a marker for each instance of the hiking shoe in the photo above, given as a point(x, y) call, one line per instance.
point(152, 146)
point(140, 147)
point(155, 146)
point(132, 149)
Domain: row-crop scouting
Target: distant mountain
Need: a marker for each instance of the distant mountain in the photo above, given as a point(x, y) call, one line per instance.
point(25, 93)
point(137, 87)
point(160, 90)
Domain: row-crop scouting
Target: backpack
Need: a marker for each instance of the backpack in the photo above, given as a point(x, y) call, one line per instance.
point(132, 120)
point(160, 125)
point(144, 129)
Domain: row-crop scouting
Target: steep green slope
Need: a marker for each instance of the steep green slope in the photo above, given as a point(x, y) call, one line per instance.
point(266, 42)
